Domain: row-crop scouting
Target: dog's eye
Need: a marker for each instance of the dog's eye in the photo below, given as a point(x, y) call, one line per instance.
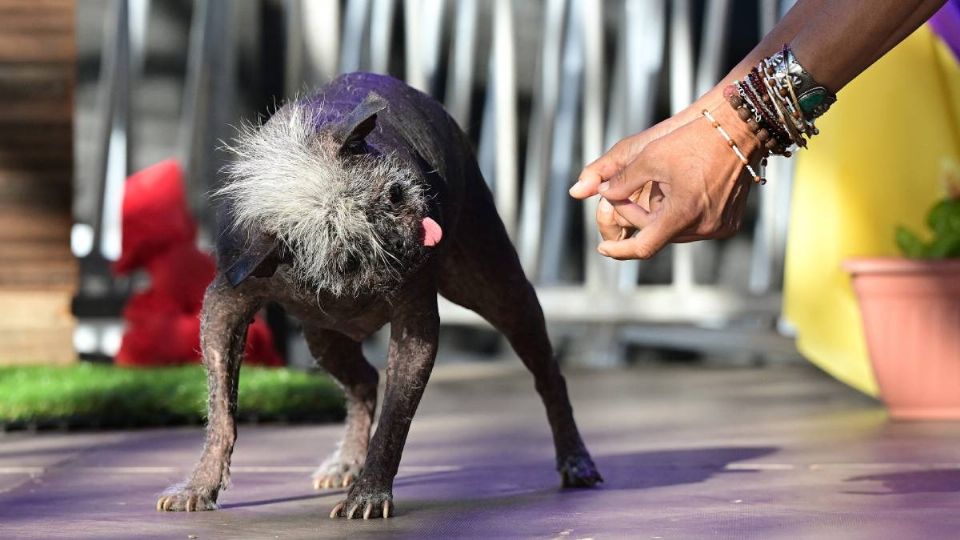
point(395, 193)
point(351, 263)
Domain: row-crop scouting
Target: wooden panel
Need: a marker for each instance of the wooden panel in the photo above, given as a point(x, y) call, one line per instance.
point(37, 46)
point(34, 308)
point(19, 225)
point(38, 274)
point(50, 345)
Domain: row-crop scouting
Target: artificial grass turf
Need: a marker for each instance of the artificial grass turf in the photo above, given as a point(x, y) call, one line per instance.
point(105, 396)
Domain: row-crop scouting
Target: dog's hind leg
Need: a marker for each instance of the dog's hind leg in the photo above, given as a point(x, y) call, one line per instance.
point(227, 312)
point(343, 359)
point(482, 272)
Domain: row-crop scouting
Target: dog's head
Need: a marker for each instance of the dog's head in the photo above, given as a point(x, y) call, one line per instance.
point(348, 218)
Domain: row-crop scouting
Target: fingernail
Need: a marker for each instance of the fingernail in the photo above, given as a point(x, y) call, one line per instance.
point(603, 187)
point(605, 206)
point(603, 252)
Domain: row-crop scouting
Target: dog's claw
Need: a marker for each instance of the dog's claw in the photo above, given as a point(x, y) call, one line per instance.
point(336, 475)
point(579, 471)
point(372, 504)
point(186, 499)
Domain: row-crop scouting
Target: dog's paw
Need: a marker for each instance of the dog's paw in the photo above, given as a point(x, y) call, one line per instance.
point(336, 474)
point(366, 503)
point(579, 471)
point(187, 499)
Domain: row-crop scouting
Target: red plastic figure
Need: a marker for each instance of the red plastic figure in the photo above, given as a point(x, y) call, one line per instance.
point(159, 235)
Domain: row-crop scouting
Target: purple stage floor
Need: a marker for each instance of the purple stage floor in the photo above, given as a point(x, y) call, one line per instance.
point(771, 453)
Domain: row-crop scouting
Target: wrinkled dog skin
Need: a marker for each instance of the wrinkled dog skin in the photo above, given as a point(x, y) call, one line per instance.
point(351, 209)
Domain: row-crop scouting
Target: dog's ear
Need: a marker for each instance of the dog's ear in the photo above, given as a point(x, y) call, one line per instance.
point(260, 259)
point(353, 128)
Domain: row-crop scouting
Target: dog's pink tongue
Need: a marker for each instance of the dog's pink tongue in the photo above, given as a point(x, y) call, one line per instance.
point(432, 233)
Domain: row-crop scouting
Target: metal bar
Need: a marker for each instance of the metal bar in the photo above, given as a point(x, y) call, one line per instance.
point(542, 121)
point(763, 250)
point(106, 93)
point(505, 90)
point(431, 41)
point(709, 306)
point(768, 15)
point(139, 24)
point(116, 164)
point(413, 29)
point(381, 34)
point(356, 15)
point(460, 82)
point(208, 100)
point(105, 105)
point(321, 39)
point(293, 61)
point(712, 46)
point(562, 146)
point(598, 270)
point(681, 95)
point(756, 340)
point(643, 58)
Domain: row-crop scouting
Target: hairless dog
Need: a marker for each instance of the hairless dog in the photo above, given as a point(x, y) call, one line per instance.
point(353, 208)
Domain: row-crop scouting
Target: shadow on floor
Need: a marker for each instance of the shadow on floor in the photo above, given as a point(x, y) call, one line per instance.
point(645, 470)
point(926, 481)
point(511, 483)
point(279, 500)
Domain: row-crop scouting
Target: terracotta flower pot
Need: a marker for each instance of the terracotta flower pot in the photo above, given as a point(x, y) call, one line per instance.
point(911, 318)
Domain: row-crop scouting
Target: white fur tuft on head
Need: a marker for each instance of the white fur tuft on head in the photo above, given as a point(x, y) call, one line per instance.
point(333, 213)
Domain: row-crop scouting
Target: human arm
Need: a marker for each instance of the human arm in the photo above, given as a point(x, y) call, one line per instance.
point(835, 42)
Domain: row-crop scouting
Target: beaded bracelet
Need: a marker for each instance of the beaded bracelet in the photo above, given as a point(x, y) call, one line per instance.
point(736, 149)
point(765, 132)
point(779, 101)
point(754, 83)
point(743, 97)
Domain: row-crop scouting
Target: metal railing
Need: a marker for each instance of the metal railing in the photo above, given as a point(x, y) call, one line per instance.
point(581, 100)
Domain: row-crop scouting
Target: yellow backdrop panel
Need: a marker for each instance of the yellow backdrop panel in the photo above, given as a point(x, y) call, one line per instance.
point(875, 165)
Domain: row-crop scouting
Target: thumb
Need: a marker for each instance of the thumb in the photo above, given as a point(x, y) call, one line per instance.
point(648, 242)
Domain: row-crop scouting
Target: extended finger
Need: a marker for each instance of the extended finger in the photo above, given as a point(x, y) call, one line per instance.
point(601, 169)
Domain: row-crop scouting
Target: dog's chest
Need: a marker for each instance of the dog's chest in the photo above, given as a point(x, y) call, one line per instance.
point(356, 318)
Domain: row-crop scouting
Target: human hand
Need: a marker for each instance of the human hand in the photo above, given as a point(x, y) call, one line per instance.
point(684, 186)
point(622, 153)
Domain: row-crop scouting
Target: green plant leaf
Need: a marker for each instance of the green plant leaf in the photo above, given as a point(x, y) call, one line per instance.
point(944, 217)
point(945, 246)
point(910, 245)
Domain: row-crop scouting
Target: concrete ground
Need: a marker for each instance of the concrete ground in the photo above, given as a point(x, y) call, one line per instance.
point(778, 452)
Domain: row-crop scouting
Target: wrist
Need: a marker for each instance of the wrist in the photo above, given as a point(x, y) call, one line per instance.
point(746, 151)
point(739, 131)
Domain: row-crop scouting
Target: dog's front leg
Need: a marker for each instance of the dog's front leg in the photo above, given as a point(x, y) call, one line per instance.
point(226, 314)
point(413, 348)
